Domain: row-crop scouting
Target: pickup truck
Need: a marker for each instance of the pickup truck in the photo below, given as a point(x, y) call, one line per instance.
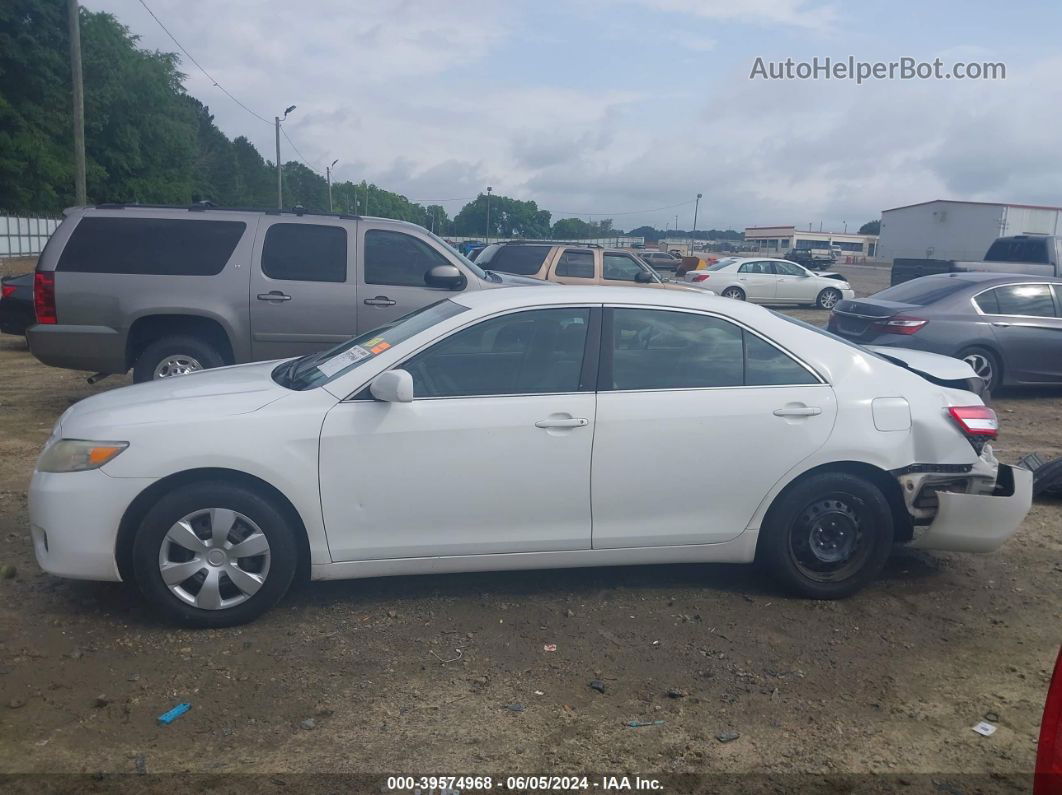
point(1034, 255)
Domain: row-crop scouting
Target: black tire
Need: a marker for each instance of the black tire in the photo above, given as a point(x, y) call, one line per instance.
point(829, 515)
point(255, 513)
point(990, 360)
point(178, 345)
point(734, 292)
point(830, 293)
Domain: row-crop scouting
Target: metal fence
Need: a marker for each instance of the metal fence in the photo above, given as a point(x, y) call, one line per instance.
point(24, 237)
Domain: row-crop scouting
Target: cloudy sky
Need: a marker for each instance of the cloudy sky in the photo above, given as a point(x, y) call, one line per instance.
point(625, 107)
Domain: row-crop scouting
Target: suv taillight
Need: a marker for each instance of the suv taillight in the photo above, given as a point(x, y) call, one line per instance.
point(44, 297)
point(900, 324)
point(1048, 779)
point(975, 421)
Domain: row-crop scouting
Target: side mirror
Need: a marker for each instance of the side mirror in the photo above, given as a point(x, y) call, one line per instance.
point(642, 277)
point(394, 386)
point(447, 276)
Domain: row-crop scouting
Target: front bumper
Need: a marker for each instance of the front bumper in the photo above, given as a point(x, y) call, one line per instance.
point(98, 349)
point(74, 518)
point(979, 522)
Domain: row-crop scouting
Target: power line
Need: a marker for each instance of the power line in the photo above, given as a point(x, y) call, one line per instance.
point(440, 201)
point(624, 212)
point(301, 158)
point(198, 66)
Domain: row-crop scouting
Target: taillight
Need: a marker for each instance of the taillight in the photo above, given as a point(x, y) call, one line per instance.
point(900, 324)
point(979, 421)
point(1048, 779)
point(7, 290)
point(44, 297)
point(699, 277)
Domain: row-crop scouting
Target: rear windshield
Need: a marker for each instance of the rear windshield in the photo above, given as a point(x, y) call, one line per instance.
point(520, 260)
point(922, 292)
point(1012, 250)
point(152, 246)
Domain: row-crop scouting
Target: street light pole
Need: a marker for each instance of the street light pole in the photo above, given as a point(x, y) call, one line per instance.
point(79, 102)
point(693, 234)
point(280, 187)
point(489, 189)
point(328, 176)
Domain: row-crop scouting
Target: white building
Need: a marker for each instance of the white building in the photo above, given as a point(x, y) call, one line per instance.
point(943, 229)
point(775, 241)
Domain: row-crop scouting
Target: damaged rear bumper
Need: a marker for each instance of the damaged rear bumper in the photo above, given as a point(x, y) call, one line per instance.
point(970, 522)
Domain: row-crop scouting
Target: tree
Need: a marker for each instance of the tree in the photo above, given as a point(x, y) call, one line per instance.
point(508, 218)
point(870, 228)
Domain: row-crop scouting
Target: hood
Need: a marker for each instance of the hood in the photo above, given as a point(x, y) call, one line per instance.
point(224, 391)
point(934, 365)
point(832, 275)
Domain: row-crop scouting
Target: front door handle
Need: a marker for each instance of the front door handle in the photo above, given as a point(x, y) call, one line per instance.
point(798, 411)
point(1001, 324)
point(566, 422)
point(380, 300)
point(274, 295)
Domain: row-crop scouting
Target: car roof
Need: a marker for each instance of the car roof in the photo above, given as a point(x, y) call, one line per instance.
point(517, 297)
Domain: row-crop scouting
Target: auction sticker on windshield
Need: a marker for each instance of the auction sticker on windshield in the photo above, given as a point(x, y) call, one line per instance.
point(344, 359)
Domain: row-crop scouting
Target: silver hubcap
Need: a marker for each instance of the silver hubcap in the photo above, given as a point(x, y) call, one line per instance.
point(829, 299)
point(733, 293)
point(177, 365)
point(981, 365)
point(214, 558)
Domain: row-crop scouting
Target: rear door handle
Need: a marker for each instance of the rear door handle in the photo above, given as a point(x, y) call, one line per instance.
point(1000, 324)
point(380, 300)
point(274, 295)
point(798, 411)
point(569, 422)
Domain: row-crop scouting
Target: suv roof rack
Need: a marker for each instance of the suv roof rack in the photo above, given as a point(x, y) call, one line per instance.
point(206, 204)
point(534, 242)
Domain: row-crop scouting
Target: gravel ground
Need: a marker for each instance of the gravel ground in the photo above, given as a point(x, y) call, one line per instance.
point(450, 674)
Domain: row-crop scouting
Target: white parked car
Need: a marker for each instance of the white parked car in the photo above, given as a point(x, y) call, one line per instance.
point(772, 281)
point(511, 429)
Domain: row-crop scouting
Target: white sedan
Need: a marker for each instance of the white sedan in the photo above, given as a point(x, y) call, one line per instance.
point(512, 429)
point(772, 281)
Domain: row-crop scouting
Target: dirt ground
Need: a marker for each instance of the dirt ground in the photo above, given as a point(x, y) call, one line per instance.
point(449, 674)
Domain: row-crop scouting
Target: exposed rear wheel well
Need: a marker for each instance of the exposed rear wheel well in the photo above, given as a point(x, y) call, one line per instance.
point(139, 507)
point(903, 526)
point(146, 330)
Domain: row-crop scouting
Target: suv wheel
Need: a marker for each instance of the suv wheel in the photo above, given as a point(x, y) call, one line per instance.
point(176, 355)
point(214, 555)
point(828, 536)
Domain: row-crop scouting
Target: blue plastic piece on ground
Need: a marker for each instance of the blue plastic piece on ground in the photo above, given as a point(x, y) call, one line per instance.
point(166, 718)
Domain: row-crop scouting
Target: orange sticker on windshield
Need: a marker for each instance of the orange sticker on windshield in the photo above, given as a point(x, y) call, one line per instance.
point(378, 349)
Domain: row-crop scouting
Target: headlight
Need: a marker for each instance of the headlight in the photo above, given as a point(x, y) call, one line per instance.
point(77, 455)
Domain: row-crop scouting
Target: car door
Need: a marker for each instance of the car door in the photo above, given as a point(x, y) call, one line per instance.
point(757, 279)
point(302, 290)
point(1026, 323)
point(697, 419)
point(392, 266)
point(492, 455)
point(623, 269)
point(574, 266)
point(793, 283)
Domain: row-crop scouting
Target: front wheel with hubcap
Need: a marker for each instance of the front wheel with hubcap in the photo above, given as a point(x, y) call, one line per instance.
point(829, 298)
point(214, 555)
point(828, 536)
point(734, 292)
point(985, 364)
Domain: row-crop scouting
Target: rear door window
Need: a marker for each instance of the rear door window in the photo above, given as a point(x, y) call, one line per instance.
point(305, 253)
point(756, 267)
point(150, 246)
point(576, 264)
point(521, 260)
point(399, 259)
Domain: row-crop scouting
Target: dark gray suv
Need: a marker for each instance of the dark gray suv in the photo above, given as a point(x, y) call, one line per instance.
point(168, 290)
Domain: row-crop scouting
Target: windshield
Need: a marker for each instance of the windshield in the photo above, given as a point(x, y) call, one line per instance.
point(922, 292)
point(464, 260)
point(316, 369)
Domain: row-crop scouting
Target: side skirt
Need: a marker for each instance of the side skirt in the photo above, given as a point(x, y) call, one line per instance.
point(738, 550)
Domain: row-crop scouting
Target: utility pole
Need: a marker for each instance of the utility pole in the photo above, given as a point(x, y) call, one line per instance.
point(489, 189)
point(74, 22)
point(693, 234)
point(280, 187)
point(328, 176)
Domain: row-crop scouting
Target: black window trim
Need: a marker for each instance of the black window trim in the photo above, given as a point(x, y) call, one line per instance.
point(587, 374)
point(604, 373)
point(1054, 290)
